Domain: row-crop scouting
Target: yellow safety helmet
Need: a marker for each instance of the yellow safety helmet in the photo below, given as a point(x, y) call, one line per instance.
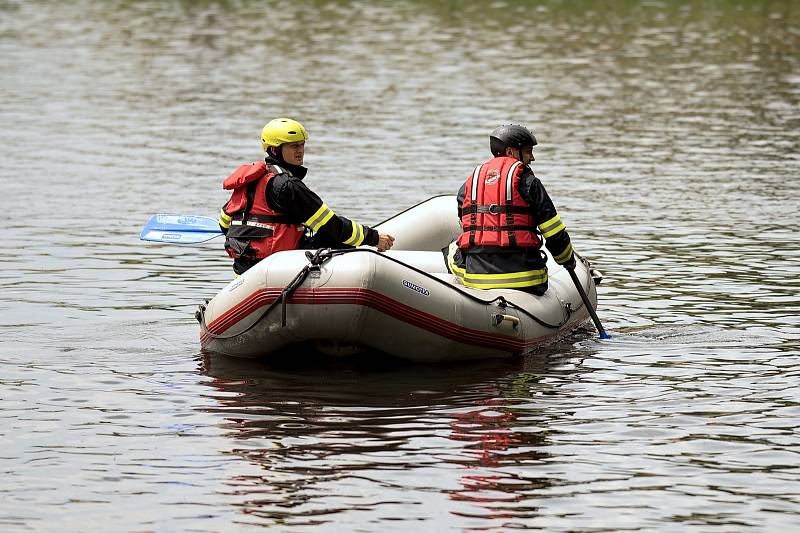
point(282, 130)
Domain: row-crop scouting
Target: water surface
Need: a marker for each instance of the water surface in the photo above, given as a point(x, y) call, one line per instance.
point(668, 138)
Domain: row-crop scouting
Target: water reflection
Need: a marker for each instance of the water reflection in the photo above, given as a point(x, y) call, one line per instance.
point(497, 438)
point(337, 437)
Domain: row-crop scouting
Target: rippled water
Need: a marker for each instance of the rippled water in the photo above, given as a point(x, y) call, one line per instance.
point(669, 138)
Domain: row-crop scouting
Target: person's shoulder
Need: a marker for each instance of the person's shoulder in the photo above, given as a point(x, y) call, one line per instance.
point(528, 178)
point(279, 177)
point(288, 187)
point(284, 177)
point(283, 183)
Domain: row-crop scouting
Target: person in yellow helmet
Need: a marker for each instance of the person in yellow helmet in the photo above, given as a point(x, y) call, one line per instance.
point(271, 209)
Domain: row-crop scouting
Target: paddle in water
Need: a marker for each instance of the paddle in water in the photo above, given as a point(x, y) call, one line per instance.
point(180, 229)
point(585, 298)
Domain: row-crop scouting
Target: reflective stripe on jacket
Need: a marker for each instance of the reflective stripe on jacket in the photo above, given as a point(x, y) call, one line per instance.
point(457, 262)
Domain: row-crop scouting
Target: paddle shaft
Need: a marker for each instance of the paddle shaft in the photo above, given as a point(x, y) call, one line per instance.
point(585, 298)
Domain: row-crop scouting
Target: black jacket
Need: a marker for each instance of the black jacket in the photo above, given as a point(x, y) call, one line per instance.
point(287, 194)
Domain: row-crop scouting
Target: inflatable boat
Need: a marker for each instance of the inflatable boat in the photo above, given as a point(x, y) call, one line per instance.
point(403, 302)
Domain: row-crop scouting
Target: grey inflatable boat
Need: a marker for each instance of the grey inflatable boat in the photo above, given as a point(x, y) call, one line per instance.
point(403, 302)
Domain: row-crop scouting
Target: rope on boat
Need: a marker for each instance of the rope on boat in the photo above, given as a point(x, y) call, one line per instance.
point(316, 259)
point(314, 262)
point(502, 302)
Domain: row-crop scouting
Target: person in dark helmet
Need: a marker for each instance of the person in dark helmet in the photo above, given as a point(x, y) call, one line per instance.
point(505, 215)
point(271, 208)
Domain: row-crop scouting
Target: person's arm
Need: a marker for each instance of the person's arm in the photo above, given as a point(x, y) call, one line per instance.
point(548, 220)
point(292, 197)
point(224, 220)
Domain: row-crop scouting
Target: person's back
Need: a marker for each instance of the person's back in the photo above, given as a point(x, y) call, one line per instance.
point(505, 214)
point(271, 208)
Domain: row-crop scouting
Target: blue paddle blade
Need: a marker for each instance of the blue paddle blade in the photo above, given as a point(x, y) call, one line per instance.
point(180, 229)
point(177, 237)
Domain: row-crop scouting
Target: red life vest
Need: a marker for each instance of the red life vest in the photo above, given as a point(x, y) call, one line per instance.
point(493, 213)
point(256, 230)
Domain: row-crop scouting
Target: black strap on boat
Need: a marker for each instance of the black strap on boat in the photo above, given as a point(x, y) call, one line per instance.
point(314, 261)
point(503, 302)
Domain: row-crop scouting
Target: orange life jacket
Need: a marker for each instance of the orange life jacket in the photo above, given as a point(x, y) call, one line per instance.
point(256, 230)
point(493, 213)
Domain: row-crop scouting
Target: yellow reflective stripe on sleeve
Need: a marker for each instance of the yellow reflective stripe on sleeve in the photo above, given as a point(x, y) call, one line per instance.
point(325, 219)
point(320, 218)
point(451, 263)
point(224, 219)
point(564, 256)
point(552, 226)
point(509, 280)
point(357, 237)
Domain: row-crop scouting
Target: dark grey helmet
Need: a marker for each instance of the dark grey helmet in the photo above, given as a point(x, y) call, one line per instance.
point(510, 135)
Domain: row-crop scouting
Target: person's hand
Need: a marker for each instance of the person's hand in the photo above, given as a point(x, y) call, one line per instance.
point(384, 242)
point(571, 263)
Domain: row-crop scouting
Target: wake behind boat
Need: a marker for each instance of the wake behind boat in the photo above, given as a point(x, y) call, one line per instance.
point(402, 302)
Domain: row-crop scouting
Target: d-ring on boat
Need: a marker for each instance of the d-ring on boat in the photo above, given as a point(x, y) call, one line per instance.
point(403, 302)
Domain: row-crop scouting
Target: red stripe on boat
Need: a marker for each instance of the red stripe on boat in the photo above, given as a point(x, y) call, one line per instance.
point(381, 303)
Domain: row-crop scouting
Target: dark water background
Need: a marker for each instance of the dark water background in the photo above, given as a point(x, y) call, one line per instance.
point(669, 138)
